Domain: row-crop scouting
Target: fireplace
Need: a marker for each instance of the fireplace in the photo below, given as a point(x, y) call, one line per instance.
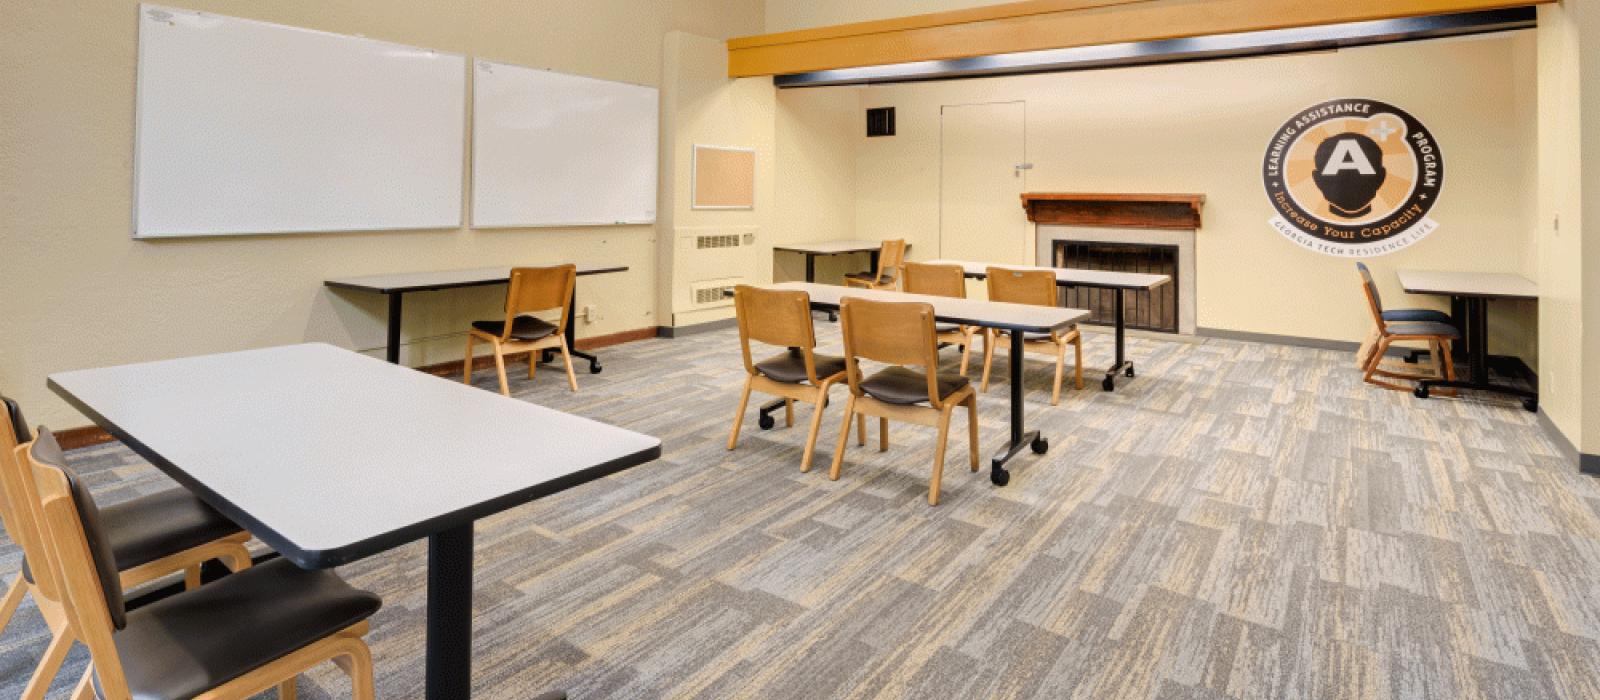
point(1153, 310)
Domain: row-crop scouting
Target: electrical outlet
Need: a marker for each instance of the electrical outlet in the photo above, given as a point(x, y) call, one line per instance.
point(591, 313)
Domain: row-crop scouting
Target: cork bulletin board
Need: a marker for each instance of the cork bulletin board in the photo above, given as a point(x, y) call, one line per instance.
point(724, 178)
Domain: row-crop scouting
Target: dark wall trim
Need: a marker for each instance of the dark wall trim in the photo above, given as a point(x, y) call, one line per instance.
point(1589, 464)
point(1275, 339)
point(1205, 48)
point(698, 328)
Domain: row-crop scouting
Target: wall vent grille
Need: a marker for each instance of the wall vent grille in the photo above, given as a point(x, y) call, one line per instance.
point(727, 240)
point(716, 295)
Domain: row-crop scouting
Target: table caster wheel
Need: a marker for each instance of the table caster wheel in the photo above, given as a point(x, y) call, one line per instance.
point(1109, 384)
point(999, 476)
point(595, 368)
point(1040, 446)
point(1421, 392)
point(1530, 405)
point(766, 422)
point(1129, 371)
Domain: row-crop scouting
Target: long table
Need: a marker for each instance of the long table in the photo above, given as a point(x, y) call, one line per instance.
point(397, 285)
point(1021, 318)
point(330, 456)
point(1120, 282)
point(812, 251)
point(1474, 290)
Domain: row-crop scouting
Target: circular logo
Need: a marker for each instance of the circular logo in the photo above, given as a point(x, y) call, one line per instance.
point(1353, 177)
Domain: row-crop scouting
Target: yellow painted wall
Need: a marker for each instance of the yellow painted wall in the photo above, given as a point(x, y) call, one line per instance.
point(1204, 127)
point(1561, 223)
point(80, 293)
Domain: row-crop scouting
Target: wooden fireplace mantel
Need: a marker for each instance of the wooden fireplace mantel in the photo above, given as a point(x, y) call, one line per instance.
point(1164, 211)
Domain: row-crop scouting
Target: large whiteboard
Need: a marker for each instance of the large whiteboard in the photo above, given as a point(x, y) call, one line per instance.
point(249, 127)
point(550, 149)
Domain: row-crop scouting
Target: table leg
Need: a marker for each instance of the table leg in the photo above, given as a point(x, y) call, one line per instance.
point(449, 659)
point(392, 352)
point(811, 267)
point(1020, 438)
point(1122, 365)
point(571, 335)
point(1477, 342)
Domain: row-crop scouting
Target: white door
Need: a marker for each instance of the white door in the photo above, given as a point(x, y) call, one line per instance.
point(982, 177)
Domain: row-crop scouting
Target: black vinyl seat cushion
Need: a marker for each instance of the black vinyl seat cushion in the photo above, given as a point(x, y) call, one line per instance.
point(1435, 328)
point(1412, 315)
point(899, 385)
point(790, 367)
point(151, 527)
point(524, 328)
point(184, 645)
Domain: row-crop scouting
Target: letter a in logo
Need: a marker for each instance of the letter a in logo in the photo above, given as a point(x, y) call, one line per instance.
point(1347, 155)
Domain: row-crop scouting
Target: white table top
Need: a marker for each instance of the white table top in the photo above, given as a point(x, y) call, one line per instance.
point(329, 456)
point(1070, 276)
point(389, 283)
point(831, 247)
point(972, 312)
point(1498, 285)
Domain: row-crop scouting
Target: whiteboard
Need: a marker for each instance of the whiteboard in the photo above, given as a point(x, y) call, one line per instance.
point(550, 149)
point(248, 127)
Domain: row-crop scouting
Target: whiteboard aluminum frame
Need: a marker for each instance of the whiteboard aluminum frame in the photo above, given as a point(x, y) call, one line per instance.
point(133, 204)
point(694, 176)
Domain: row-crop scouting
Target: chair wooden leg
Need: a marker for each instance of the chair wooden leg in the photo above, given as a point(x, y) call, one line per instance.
point(466, 365)
point(811, 434)
point(1449, 360)
point(191, 578)
point(972, 430)
point(1061, 363)
point(861, 429)
point(287, 690)
point(788, 413)
point(1364, 353)
point(966, 355)
point(85, 688)
point(500, 369)
point(883, 434)
point(8, 605)
point(358, 665)
point(938, 455)
point(49, 665)
point(533, 364)
point(738, 416)
point(988, 357)
point(566, 360)
point(1077, 369)
point(844, 437)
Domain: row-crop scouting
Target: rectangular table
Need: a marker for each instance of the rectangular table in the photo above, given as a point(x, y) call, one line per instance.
point(397, 285)
point(971, 312)
point(1473, 290)
point(329, 456)
point(1120, 282)
point(812, 251)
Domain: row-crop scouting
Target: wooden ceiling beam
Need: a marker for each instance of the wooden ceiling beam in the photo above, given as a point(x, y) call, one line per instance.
point(1055, 24)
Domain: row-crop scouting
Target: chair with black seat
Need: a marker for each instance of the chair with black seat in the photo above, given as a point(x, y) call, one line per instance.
point(532, 290)
point(943, 281)
point(248, 632)
point(1364, 353)
point(783, 319)
point(1438, 335)
point(1036, 287)
point(151, 537)
point(901, 334)
point(890, 259)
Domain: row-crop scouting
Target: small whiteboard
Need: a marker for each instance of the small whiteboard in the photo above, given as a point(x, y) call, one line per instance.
point(249, 127)
point(550, 149)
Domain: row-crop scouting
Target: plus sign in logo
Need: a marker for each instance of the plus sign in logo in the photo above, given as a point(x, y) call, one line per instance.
point(1353, 177)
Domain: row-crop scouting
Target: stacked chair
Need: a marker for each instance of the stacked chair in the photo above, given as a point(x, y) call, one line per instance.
point(1036, 287)
point(901, 335)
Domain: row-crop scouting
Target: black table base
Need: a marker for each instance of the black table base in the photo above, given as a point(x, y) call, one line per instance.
point(1123, 366)
point(1477, 336)
point(1020, 436)
point(449, 659)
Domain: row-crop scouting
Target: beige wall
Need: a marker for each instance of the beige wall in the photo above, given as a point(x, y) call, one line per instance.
point(1561, 223)
point(1204, 128)
point(79, 292)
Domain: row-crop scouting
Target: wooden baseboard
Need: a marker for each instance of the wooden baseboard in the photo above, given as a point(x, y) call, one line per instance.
point(91, 435)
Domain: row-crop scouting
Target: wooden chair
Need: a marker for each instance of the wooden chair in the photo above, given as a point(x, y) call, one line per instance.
point(1438, 335)
point(1036, 287)
point(533, 290)
point(943, 281)
point(1364, 353)
point(890, 259)
point(231, 639)
point(151, 537)
point(783, 319)
point(903, 335)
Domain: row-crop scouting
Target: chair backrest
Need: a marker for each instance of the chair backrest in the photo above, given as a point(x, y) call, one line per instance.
point(779, 317)
point(81, 558)
point(1370, 289)
point(891, 257)
point(536, 289)
point(1037, 287)
point(19, 502)
point(897, 333)
point(935, 280)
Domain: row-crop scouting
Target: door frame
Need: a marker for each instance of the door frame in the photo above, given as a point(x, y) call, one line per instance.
point(942, 108)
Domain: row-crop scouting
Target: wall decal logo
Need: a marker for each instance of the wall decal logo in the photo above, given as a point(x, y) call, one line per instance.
point(1353, 178)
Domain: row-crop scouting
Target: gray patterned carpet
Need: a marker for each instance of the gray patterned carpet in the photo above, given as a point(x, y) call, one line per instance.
point(1241, 521)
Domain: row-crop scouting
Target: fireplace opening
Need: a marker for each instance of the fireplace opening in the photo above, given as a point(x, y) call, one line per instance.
point(1155, 310)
